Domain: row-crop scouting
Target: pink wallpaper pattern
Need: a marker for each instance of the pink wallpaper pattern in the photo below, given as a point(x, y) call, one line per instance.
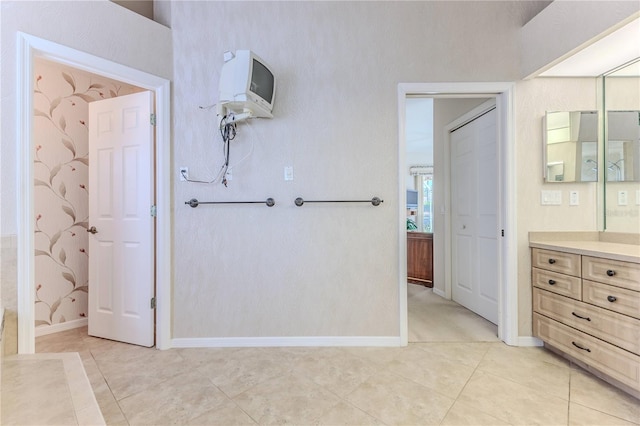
point(61, 162)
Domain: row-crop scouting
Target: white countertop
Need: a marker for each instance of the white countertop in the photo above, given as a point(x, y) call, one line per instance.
point(614, 251)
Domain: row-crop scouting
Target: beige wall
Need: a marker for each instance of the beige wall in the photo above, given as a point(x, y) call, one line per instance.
point(317, 270)
point(534, 98)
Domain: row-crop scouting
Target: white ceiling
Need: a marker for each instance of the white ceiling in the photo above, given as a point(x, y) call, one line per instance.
point(619, 47)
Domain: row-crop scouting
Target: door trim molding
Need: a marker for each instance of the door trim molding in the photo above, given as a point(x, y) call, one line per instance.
point(504, 93)
point(30, 47)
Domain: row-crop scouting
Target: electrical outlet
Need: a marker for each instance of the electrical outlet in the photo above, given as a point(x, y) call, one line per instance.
point(622, 198)
point(183, 174)
point(574, 198)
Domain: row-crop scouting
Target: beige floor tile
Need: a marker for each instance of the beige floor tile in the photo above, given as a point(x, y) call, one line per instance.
point(241, 369)
point(199, 356)
point(336, 369)
point(35, 392)
point(228, 414)
point(529, 367)
point(589, 391)
point(584, 416)
point(106, 401)
point(378, 356)
point(469, 354)
point(287, 399)
point(461, 414)
point(435, 319)
point(396, 400)
point(175, 401)
point(129, 369)
point(441, 374)
point(347, 415)
point(513, 402)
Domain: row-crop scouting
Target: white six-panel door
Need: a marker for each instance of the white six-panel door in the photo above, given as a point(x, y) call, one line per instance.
point(474, 205)
point(121, 193)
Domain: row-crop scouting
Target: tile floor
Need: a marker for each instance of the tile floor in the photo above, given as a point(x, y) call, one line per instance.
point(437, 382)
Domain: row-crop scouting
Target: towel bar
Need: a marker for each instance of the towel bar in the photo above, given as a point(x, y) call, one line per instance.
point(270, 202)
point(374, 201)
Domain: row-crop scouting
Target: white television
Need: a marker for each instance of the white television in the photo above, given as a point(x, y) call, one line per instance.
point(247, 86)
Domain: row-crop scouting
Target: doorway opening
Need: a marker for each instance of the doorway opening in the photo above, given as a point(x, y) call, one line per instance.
point(30, 49)
point(507, 294)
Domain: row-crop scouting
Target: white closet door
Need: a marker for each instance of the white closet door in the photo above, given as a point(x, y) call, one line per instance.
point(474, 203)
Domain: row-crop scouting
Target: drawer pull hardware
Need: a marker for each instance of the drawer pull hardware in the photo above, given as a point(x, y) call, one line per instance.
point(552, 261)
point(611, 272)
point(552, 282)
point(581, 317)
point(580, 347)
point(612, 298)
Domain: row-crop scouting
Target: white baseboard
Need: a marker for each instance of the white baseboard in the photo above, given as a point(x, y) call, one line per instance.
point(237, 342)
point(63, 326)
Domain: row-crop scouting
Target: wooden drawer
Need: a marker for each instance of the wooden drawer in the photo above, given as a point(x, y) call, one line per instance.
point(565, 285)
point(611, 360)
point(565, 263)
point(620, 330)
point(613, 298)
point(614, 272)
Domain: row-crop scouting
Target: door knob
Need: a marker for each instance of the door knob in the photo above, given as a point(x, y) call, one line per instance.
point(92, 230)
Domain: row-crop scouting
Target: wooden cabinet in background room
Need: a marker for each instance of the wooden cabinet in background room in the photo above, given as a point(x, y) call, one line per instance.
point(420, 258)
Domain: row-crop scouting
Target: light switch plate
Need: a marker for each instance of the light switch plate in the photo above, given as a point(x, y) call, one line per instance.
point(551, 198)
point(288, 173)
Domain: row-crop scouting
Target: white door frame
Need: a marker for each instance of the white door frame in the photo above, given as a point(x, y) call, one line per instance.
point(504, 93)
point(28, 48)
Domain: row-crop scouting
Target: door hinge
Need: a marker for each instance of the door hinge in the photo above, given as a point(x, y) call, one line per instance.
point(153, 119)
point(154, 211)
point(503, 232)
point(153, 303)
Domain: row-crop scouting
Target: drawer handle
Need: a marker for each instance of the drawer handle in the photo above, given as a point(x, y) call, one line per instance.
point(611, 272)
point(612, 298)
point(578, 316)
point(552, 282)
point(552, 261)
point(580, 347)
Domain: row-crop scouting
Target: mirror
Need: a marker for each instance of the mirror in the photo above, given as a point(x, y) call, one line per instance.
point(621, 172)
point(571, 146)
point(623, 146)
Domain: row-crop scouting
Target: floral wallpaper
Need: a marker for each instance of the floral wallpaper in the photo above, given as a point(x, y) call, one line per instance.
point(61, 161)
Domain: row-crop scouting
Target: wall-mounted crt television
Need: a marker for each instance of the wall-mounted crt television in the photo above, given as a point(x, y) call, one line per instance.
point(247, 85)
point(412, 199)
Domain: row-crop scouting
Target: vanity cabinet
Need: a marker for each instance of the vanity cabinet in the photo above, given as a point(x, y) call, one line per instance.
point(420, 258)
point(589, 308)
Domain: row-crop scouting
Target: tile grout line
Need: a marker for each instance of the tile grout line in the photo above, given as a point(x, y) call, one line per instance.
point(467, 382)
point(106, 382)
